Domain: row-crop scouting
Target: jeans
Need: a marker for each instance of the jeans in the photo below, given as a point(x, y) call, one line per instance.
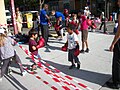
point(45, 32)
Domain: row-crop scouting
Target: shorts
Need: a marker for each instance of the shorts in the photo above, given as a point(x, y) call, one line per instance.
point(72, 57)
point(84, 35)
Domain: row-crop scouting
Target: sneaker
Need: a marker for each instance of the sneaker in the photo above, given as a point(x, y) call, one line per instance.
point(78, 66)
point(47, 45)
point(9, 72)
point(72, 66)
point(106, 33)
point(82, 51)
point(33, 67)
point(87, 50)
point(24, 73)
point(61, 39)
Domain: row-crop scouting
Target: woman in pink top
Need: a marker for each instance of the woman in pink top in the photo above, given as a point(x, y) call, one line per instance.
point(84, 30)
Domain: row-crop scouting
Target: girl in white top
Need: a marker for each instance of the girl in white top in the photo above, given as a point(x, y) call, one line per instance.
point(7, 52)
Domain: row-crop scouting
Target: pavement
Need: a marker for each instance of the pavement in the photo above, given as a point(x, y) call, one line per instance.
point(95, 71)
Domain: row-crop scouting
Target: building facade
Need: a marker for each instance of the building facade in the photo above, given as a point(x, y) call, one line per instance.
point(96, 6)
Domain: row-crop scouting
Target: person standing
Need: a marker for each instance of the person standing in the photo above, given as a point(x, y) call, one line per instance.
point(73, 45)
point(102, 17)
point(44, 19)
point(87, 12)
point(84, 31)
point(7, 52)
point(115, 47)
point(19, 20)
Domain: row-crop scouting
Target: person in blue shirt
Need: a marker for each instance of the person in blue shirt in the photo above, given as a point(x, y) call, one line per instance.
point(57, 16)
point(44, 19)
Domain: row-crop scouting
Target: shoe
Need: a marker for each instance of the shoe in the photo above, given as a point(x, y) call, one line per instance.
point(106, 33)
point(82, 51)
point(9, 72)
point(78, 66)
point(113, 85)
point(72, 66)
point(24, 73)
point(33, 67)
point(60, 39)
point(47, 45)
point(87, 50)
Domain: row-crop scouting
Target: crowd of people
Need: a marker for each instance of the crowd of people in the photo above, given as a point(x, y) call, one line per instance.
point(72, 23)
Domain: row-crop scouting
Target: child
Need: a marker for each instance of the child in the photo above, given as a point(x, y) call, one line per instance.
point(75, 22)
point(58, 28)
point(33, 46)
point(67, 17)
point(7, 52)
point(73, 45)
point(84, 30)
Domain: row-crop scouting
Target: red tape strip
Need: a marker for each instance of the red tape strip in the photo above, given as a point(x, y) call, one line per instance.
point(69, 77)
point(82, 85)
point(45, 82)
point(56, 70)
point(47, 64)
point(47, 72)
point(66, 88)
point(38, 77)
point(54, 88)
point(56, 80)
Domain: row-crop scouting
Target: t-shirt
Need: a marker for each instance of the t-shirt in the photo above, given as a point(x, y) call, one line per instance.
point(7, 50)
point(87, 13)
point(72, 38)
point(59, 14)
point(43, 19)
point(31, 44)
point(84, 24)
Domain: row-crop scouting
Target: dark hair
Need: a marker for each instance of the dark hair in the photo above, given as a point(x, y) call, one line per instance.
point(71, 26)
point(54, 10)
point(81, 11)
point(44, 5)
point(32, 32)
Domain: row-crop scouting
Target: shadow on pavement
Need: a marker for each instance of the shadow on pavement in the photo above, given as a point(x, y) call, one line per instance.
point(90, 76)
point(13, 80)
point(57, 41)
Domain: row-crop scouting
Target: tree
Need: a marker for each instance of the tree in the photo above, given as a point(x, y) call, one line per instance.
point(41, 3)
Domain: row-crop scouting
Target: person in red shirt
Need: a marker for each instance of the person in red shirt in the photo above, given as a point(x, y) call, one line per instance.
point(84, 31)
point(34, 46)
